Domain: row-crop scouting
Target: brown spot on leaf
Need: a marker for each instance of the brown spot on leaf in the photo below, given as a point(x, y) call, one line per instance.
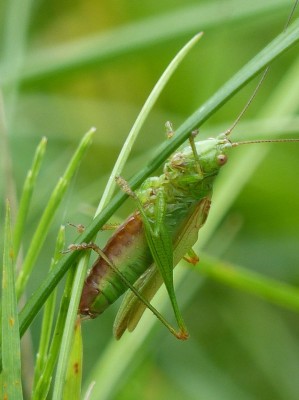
point(11, 254)
point(76, 368)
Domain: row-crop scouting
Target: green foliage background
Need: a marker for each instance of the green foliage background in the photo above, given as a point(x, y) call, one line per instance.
point(68, 66)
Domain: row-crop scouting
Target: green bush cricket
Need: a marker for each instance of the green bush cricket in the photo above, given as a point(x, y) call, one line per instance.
point(143, 251)
point(171, 210)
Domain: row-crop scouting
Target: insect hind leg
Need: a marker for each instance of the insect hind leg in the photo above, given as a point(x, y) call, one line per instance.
point(85, 246)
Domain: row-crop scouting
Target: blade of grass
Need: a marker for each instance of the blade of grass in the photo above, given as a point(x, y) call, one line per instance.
point(43, 384)
point(234, 177)
point(7, 188)
point(50, 210)
point(68, 332)
point(42, 387)
point(11, 352)
point(146, 109)
point(27, 191)
point(15, 34)
point(47, 322)
point(251, 282)
point(131, 38)
point(72, 388)
point(266, 56)
point(89, 391)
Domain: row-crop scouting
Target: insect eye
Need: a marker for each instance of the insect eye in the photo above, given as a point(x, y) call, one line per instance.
point(222, 158)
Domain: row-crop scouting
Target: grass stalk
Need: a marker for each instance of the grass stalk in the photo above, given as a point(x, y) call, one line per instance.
point(11, 385)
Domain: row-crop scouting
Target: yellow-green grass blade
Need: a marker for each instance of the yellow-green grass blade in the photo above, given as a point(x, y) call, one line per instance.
point(11, 354)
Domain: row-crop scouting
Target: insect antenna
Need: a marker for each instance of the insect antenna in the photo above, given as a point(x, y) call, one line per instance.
point(235, 144)
point(235, 123)
point(290, 15)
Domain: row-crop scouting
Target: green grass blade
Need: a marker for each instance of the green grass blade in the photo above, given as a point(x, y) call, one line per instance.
point(277, 47)
point(15, 31)
point(87, 394)
point(183, 21)
point(15, 36)
point(146, 109)
point(50, 210)
point(27, 191)
point(251, 282)
point(11, 354)
point(68, 333)
point(69, 368)
point(47, 323)
point(272, 51)
point(234, 177)
point(72, 388)
point(43, 385)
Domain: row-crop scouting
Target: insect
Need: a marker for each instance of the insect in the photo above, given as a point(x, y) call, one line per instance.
point(141, 254)
point(171, 209)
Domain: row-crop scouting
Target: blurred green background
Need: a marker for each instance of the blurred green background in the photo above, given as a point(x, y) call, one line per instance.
point(67, 66)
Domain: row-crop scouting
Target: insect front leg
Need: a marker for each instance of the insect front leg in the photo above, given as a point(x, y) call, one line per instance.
point(106, 227)
point(170, 133)
point(194, 151)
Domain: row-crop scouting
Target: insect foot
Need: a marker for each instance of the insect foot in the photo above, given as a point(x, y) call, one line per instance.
point(80, 228)
point(125, 187)
point(82, 246)
point(182, 335)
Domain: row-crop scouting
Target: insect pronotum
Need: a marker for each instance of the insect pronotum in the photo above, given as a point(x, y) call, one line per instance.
point(141, 254)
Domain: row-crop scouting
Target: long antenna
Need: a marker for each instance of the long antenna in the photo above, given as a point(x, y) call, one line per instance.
point(290, 15)
point(229, 130)
point(235, 144)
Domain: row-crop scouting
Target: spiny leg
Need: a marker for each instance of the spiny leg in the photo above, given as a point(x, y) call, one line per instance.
point(170, 133)
point(106, 227)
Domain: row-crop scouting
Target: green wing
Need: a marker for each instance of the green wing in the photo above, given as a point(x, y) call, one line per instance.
point(132, 308)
